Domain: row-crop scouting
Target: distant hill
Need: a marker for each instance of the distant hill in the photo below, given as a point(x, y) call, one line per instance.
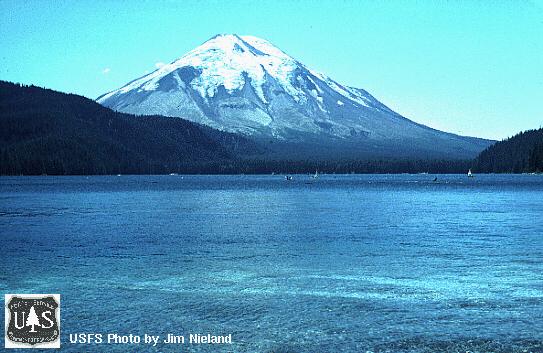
point(518, 154)
point(47, 132)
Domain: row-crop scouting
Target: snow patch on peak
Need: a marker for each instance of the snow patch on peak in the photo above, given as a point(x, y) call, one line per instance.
point(232, 61)
point(223, 60)
point(345, 91)
point(265, 47)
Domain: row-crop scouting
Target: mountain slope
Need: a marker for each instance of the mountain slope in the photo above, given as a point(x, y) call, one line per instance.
point(246, 85)
point(520, 153)
point(48, 132)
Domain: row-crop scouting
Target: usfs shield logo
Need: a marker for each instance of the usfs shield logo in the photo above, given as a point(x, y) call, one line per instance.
point(32, 321)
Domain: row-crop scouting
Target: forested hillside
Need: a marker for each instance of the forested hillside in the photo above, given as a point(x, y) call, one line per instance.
point(519, 154)
point(48, 132)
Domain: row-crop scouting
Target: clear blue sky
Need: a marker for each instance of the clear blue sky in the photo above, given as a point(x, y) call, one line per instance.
point(468, 67)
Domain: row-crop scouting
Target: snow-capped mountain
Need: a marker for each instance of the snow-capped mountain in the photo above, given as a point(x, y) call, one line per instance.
point(246, 85)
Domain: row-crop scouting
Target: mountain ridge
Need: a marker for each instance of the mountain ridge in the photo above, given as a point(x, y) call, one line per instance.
point(246, 85)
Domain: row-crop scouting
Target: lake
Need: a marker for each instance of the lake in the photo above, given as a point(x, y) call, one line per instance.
point(350, 263)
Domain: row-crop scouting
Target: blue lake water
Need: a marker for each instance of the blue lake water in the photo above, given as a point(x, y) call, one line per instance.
point(353, 263)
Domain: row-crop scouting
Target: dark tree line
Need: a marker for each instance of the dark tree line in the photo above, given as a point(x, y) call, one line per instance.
point(521, 153)
point(264, 166)
point(47, 132)
point(535, 160)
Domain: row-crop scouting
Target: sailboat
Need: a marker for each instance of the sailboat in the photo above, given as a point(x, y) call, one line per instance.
point(316, 175)
point(470, 175)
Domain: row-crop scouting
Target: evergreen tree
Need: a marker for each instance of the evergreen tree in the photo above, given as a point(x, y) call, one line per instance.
point(32, 319)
